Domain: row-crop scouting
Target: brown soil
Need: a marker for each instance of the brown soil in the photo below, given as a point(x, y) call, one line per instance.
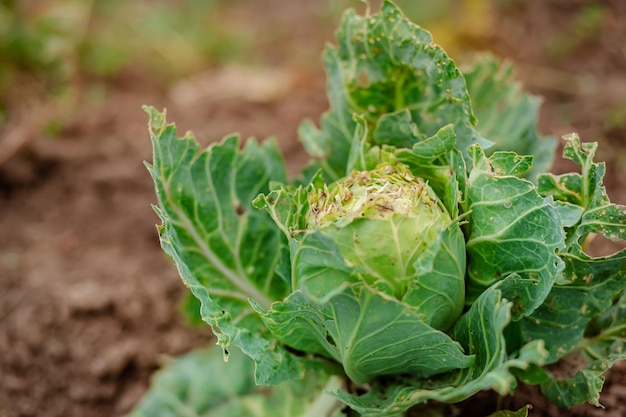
point(88, 301)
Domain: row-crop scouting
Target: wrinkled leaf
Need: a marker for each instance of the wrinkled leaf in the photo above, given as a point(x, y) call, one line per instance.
point(329, 316)
point(397, 129)
point(388, 70)
point(226, 251)
point(586, 190)
point(593, 283)
point(585, 386)
point(589, 284)
point(436, 160)
point(330, 144)
point(583, 317)
point(368, 333)
point(586, 366)
point(514, 231)
point(480, 331)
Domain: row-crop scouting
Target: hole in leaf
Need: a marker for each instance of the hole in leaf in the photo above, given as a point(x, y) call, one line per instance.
point(598, 245)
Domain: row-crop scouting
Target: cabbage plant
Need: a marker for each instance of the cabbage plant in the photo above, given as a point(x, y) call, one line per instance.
point(421, 256)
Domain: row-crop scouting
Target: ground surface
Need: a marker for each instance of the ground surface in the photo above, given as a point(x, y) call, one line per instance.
point(88, 302)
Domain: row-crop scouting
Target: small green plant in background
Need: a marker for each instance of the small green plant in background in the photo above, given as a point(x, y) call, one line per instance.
point(585, 27)
point(52, 49)
point(172, 39)
point(104, 37)
point(424, 254)
point(35, 49)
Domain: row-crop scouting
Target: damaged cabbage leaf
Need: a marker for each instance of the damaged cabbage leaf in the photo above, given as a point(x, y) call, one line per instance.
point(226, 251)
point(383, 68)
point(514, 232)
point(588, 309)
point(481, 332)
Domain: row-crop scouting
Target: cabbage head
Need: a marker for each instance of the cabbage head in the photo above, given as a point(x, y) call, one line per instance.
point(390, 227)
point(377, 269)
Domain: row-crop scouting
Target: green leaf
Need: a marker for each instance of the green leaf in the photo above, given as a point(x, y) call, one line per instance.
point(439, 272)
point(586, 367)
point(397, 129)
point(569, 214)
point(190, 309)
point(387, 70)
point(331, 144)
point(368, 333)
point(586, 190)
point(201, 384)
point(390, 64)
point(506, 114)
point(319, 268)
point(592, 284)
point(600, 215)
point(442, 142)
point(582, 320)
point(566, 188)
point(436, 160)
point(360, 158)
point(584, 387)
point(287, 205)
point(514, 231)
point(226, 251)
point(480, 331)
point(576, 306)
point(510, 163)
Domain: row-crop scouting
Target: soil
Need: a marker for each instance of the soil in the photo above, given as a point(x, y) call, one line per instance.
point(88, 301)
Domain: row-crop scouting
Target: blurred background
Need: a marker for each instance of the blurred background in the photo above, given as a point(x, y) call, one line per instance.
point(89, 305)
